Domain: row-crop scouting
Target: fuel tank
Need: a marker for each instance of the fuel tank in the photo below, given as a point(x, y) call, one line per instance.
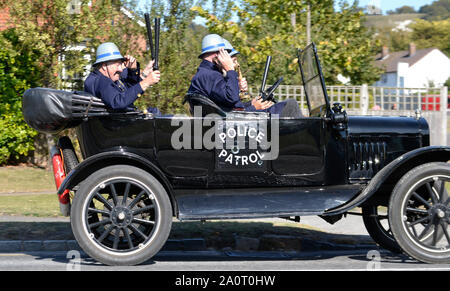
point(374, 141)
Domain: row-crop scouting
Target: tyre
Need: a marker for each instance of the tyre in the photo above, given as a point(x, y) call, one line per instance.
point(419, 213)
point(376, 221)
point(68, 152)
point(121, 215)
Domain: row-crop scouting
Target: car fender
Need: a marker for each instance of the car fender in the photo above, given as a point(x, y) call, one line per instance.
point(393, 171)
point(114, 157)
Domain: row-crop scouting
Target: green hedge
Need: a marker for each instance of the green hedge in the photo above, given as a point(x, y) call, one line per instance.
point(17, 73)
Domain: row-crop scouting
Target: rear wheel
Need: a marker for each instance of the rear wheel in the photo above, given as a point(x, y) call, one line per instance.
point(376, 221)
point(121, 215)
point(419, 213)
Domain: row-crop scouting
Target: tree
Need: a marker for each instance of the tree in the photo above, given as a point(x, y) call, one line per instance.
point(56, 31)
point(438, 10)
point(60, 36)
point(277, 28)
point(402, 10)
point(17, 73)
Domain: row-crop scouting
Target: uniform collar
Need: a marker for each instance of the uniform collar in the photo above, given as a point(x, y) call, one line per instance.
point(209, 65)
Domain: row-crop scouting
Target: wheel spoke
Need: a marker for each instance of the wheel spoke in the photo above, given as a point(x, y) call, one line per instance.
point(441, 191)
point(420, 220)
point(101, 222)
point(421, 211)
point(105, 233)
point(136, 200)
point(102, 199)
point(125, 194)
point(432, 192)
point(444, 228)
point(127, 235)
point(435, 236)
point(116, 239)
point(101, 211)
point(143, 209)
point(137, 231)
point(143, 221)
point(421, 200)
point(114, 193)
point(425, 230)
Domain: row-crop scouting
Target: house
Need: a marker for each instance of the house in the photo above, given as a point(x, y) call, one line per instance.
point(413, 68)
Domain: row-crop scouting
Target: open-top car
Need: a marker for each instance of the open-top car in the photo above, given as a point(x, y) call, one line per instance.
point(138, 171)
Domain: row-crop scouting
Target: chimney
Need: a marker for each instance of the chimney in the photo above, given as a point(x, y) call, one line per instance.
point(384, 52)
point(412, 49)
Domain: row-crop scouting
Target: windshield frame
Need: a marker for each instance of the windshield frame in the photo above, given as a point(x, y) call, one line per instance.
point(323, 107)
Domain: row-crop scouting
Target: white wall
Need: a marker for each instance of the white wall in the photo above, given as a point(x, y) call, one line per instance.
point(435, 67)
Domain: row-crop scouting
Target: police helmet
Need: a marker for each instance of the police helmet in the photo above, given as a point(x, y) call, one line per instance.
point(212, 43)
point(107, 51)
point(230, 48)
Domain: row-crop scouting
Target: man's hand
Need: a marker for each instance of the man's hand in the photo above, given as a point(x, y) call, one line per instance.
point(152, 78)
point(225, 60)
point(130, 62)
point(243, 86)
point(259, 104)
point(148, 69)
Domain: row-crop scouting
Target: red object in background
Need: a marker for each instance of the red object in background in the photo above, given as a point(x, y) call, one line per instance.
point(431, 103)
point(60, 175)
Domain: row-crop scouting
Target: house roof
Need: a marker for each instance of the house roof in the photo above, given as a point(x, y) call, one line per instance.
point(389, 63)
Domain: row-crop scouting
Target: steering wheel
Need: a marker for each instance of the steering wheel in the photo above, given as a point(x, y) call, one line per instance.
point(268, 94)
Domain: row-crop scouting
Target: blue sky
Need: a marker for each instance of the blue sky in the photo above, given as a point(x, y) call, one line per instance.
point(387, 5)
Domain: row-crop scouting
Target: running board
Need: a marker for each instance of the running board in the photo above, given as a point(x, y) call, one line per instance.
point(205, 204)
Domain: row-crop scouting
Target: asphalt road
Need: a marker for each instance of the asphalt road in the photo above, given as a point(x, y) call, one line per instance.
point(222, 261)
point(218, 261)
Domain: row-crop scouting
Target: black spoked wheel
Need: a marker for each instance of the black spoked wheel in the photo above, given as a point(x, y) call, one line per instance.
point(121, 215)
point(376, 221)
point(420, 213)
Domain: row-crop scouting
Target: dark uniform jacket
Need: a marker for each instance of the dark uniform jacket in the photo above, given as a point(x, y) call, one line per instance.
point(224, 91)
point(118, 95)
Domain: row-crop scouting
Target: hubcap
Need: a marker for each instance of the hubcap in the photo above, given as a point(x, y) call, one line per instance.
point(121, 216)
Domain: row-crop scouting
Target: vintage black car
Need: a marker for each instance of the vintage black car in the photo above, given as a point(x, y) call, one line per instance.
point(139, 170)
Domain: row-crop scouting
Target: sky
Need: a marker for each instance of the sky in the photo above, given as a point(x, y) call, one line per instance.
point(387, 5)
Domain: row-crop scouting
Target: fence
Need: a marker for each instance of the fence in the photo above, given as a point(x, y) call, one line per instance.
point(431, 103)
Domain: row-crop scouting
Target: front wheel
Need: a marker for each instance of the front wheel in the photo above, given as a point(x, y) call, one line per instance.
point(121, 215)
point(419, 213)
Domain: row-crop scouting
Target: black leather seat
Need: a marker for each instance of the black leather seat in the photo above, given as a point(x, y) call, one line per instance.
point(208, 106)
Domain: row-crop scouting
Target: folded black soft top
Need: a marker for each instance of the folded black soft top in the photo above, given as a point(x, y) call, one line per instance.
point(51, 111)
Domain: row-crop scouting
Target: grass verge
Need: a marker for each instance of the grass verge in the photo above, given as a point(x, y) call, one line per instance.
point(25, 179)
point(39, 205)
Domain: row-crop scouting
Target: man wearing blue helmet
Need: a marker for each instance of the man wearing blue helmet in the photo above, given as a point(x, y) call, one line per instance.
point(217, 79)
point(117, 80)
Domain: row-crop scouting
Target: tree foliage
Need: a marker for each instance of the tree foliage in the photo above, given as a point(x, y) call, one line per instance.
point(278, 28)
point(63, 36)
point(438, 10)
point(432, 34)
point(17, 73)
point(180, 44)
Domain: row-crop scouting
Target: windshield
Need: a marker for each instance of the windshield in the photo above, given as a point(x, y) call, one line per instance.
point(312, 80)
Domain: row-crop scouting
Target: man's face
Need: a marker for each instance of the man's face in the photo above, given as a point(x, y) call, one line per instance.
point(112, 69)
